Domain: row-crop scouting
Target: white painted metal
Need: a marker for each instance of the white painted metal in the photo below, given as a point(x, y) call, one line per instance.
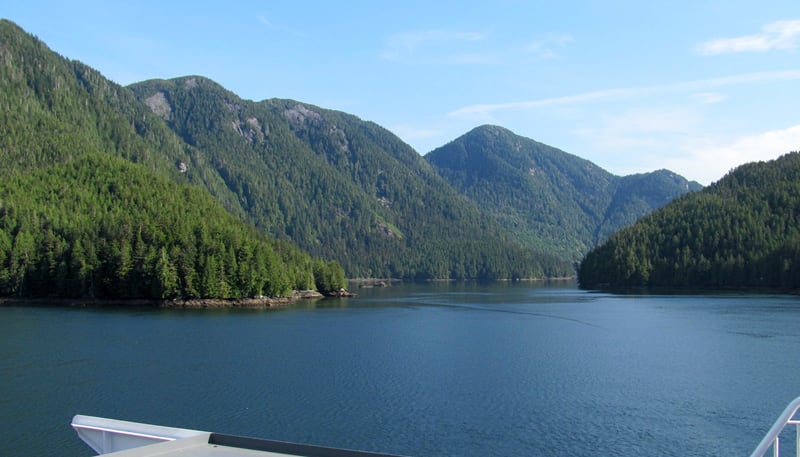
point(772, 438)
point(111, 435)
point(131, 439)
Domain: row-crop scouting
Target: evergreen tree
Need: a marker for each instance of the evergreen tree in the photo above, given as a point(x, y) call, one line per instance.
point(741, 232)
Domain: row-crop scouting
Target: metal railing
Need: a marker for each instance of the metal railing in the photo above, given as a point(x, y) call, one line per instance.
point(773, 437)
point(111, 435)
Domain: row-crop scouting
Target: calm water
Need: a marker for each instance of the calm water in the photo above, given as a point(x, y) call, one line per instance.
point(433, 370)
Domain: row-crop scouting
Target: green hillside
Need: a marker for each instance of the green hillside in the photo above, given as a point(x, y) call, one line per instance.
point(492, 206)
point(551, 200)
point(93, 200)
point(741, 232)
point(99, 226)
point(340, 187)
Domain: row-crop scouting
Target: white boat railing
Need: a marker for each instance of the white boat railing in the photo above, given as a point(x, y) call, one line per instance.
point(773, 437)
point(111, 435)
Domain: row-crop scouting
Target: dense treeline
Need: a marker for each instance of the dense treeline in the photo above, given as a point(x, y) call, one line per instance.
point(741, 232)
point(341, 187)
point(98, 226)
point(552, 201)
point(94, 200)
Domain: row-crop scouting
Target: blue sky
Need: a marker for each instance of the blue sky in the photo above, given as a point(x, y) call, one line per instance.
point(698, 87)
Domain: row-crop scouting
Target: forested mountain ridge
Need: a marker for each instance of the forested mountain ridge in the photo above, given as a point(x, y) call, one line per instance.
point(549, 199)
point(340, 187)
point(320, 178)
point(94, 201)
point(639, 194)
point(336, 186)
point(54, 109)
point(741, 232)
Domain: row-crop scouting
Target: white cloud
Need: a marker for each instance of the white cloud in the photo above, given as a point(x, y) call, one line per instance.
point(406, 45)
point(639, 129)
point(714, 161)
point(709, 98)
point(412, 133)
point(545, 48)
point(485, 110)
point(270, 25)
point(263, 20)
point(649, 121)
point(705, 159)
point(775, 35)
point(413, 40)
point(468, 48)
point(638, 139)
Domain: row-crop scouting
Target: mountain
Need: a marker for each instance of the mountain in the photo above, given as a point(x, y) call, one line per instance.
point(339, 187)
point(741, 232)
point(637, 195)
point(94, 203)
point(334, 185)
point(551, 200)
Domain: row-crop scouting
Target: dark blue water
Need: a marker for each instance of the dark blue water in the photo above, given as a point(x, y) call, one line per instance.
point(431, 370)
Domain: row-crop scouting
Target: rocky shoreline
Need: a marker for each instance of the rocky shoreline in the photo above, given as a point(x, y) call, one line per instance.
point(177, 303)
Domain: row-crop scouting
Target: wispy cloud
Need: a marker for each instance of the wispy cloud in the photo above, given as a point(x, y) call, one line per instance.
point(775, 35)
point(709, 98)
point(667, 140)
point(270, 25)
point(548, 47)
point(413, 133)
point(413, 40)
point(486, 109)
point(714, 160)
point(447, 45)
point(263, 20)
point(469, 48)
point(639, 135)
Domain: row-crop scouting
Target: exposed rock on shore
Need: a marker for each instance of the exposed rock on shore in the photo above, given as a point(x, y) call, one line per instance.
point(183, 303)
point(341, 293)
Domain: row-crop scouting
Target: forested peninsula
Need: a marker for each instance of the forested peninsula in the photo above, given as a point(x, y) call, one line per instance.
point(100, 227)
point(743, 232)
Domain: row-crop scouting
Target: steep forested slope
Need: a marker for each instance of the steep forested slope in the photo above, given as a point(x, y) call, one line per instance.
point(99, 226)
point(340, 187)
point(637, 195)
point(743, 231)
point(55, 109)
point(94, 200)
point(550, 199)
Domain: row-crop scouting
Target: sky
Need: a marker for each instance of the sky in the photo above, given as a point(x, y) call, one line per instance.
point(697, 87)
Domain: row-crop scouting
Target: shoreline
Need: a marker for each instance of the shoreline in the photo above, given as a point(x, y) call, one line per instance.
point(233, 303)
point(176, 303)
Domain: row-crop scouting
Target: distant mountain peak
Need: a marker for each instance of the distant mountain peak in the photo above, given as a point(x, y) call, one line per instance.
point(553, 200)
